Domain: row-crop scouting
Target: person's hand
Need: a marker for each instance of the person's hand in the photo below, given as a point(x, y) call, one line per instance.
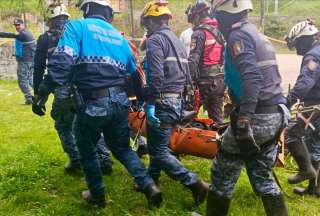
point(38, 107)
point(39, 101)
point(152, 120)
point(244, 135)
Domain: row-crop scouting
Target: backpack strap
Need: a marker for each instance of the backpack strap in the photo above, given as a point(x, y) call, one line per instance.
point(214, 31)
point(187, 75)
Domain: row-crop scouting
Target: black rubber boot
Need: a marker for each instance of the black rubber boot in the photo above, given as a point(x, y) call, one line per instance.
point(274, 205)
point(316, 164)
point(317, 187)
point(312, 187)
point(301, 155)
point(199, 191)
point(98, 201)
point(106, 167)
point(72, 167)
point(309, 190)
point(217, 205)
point(153, 195)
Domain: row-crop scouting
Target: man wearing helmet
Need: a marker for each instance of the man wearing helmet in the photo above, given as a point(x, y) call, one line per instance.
point(304, 142)
point(167, 68)
point(252, 76)
point(205, 60)
point(62, 109)
point(97, 58)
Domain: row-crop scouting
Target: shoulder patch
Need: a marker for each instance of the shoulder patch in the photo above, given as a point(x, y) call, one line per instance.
point(312, 65)
point(237, 48)
point(193, 44)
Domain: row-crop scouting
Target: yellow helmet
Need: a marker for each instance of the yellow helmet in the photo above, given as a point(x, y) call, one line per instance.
point(156, 8)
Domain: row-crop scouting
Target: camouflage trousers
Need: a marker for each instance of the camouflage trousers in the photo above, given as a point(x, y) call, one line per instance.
point(25, 78)
point(229, 161)
point(63, 114)
point(297, 133)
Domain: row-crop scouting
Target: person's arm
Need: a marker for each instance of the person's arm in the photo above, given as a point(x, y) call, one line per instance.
point(155, 76)
point(242, 49)
point(308, 77)
point(8, 35)
point(67, 52)
point(40, 61)
point(21, 36)
point(198, 40)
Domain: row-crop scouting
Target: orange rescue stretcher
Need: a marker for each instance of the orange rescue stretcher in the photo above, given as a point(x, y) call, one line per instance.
point(191, 141)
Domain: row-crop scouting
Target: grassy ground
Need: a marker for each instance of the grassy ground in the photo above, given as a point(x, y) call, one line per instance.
point(32, 181)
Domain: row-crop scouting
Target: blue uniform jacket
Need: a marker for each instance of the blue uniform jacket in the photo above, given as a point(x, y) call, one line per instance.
point(163, 72)
point(46, 44)
point(307, 86)
point(95, 52)
point(251, 70)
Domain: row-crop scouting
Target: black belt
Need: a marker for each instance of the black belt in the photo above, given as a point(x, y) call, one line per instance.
point(267, 109)
point(100, 93)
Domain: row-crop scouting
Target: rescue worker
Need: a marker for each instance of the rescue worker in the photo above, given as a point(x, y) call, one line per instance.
point(24, 52)
point(62, 109)
point(252, 76)
point(304, 144)
point(205, 60)
point(99, 58)
point(167, 68)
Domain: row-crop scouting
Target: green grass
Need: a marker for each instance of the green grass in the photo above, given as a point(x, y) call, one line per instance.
point(32, 181)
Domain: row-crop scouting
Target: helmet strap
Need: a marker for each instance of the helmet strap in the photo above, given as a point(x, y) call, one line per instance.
point(87, 9)
point(304, 44)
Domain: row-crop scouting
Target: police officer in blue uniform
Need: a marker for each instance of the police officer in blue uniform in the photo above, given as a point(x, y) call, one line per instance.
point(62, 109)
point(166, 70)
point(97, 57)
point(24, 52)
point(304, 144)
point(252, 76)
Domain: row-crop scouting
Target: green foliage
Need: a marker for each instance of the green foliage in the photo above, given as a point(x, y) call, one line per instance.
point(275, 27)
point(32, 181)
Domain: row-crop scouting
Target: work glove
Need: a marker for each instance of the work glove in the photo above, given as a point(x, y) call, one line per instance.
point(244, 135)
point(38, 104)
point(38, 107)
point(152, 120)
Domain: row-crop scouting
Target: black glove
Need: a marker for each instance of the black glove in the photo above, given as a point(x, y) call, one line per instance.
point(244, 135)
point(38, 105)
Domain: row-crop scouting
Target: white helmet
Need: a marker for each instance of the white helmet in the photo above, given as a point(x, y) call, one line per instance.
point(57, 10)
point(304, 28)
point(100, 2)
point(232, 6)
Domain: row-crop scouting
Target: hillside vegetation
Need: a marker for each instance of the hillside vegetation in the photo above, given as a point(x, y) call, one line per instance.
point(290, 11)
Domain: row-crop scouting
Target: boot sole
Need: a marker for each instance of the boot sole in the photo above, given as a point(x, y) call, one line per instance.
point(307, 177)
point(302, 191)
